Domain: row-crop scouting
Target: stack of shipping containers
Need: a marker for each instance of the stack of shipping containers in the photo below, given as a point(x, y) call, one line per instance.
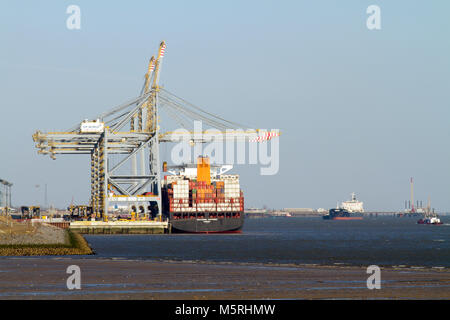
point(203, 196)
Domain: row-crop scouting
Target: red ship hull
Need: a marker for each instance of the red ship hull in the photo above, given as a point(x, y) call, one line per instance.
point(347, 218)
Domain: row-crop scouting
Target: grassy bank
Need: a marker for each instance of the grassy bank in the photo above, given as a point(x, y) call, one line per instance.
point(75, 245)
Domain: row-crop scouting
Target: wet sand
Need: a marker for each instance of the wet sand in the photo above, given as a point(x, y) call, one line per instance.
point(45, 278)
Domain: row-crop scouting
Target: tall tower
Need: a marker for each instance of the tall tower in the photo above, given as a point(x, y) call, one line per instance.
point(412, 196)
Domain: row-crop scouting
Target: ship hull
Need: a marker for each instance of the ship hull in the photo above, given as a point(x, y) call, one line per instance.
point(343, 218)
point(422, 221)
point(208, 225)
point(342, 214)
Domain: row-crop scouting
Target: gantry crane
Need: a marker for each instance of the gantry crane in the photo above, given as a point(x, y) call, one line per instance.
point(104, 137)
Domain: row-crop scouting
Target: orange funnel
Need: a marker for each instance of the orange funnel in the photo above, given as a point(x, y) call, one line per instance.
point(203, 170)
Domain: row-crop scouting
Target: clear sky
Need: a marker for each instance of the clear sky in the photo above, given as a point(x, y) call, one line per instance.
point(360, 110)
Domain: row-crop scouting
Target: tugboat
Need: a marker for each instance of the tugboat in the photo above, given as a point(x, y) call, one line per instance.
point(340, 214)
point(430, 217)
point(430, 220)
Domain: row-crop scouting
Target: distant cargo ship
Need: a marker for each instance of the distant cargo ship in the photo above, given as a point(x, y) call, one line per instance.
point(202, 199)
point(256, 211)
point(341, 214)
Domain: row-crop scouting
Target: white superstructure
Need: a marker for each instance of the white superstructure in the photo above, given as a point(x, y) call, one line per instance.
point(190, 171)
point(353, 205)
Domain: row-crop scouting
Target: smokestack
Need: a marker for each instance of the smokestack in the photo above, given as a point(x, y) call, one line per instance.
point(412, 195)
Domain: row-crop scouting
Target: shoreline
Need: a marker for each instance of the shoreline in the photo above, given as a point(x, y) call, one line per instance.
point(272, 265)
point(268, 265)
point(93, 256)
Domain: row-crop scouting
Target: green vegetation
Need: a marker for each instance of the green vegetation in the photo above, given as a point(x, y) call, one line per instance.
point(75, 245)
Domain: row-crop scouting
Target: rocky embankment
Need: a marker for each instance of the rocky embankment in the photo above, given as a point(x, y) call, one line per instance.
point(27, 238)
point(23, 233)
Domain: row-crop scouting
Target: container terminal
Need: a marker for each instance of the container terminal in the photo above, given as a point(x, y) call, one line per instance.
point(197, 198)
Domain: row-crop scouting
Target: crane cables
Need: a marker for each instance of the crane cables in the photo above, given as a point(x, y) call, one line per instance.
point(191, 111)
point(132, 102)
point(177, 108)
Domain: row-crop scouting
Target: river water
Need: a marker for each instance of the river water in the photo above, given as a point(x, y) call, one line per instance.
point(383, 241)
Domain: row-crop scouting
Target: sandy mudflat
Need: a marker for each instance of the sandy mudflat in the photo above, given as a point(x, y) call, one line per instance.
point(45, 278)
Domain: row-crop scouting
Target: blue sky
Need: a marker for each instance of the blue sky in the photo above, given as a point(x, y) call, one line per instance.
point(359, 110)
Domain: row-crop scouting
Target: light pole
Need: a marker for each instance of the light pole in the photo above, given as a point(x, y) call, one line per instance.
point(46, 199)
point(7, 194)
point(37, 191)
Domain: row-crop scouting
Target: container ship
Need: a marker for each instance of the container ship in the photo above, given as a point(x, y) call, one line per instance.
point(202, 199)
